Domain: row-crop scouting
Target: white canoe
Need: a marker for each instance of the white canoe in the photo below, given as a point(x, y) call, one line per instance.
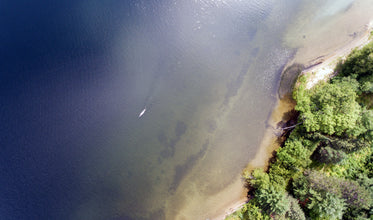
point(142, 113)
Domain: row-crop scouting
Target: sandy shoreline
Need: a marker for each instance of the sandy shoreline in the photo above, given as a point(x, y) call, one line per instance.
point(317, 69)
point(231, 209)
point(324, 66)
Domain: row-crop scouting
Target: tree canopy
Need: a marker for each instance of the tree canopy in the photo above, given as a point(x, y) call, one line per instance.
point(330, 108)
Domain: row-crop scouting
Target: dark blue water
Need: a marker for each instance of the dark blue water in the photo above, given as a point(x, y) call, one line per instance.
point(50, 62)
point(74, 75)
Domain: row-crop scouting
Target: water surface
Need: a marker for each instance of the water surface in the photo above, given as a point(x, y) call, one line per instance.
point(76, 74)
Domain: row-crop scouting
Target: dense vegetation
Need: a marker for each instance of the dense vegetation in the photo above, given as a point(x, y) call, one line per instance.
point(324, 170)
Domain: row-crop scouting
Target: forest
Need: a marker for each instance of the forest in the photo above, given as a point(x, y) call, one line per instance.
point(324, 169)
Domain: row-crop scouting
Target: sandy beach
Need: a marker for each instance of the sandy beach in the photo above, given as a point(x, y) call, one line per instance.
point(324, 67)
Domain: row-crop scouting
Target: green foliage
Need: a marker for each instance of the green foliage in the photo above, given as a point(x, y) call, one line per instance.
point(330, 108)
point(295, 212)
point(329, 155)
point(335, 109)
point(301, 189)
point(260, 179)
point(366, 84)
point(354, 164)
point(314, 185)
point(347, 145)
point(367, 124)
point(273, 200)
point(369, 165)
point(279, 175)
point(310, 145)
point(302, 96)
point(249, 211)
point(233, 216)
point(359, 63)
point(320, 204)
point(294, 155)
point(366, 100)
point(326, 206)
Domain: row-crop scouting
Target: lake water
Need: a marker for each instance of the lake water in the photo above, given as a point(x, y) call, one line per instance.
point(75, 75)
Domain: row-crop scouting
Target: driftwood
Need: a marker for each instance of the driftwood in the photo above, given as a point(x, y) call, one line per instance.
point(293, 126)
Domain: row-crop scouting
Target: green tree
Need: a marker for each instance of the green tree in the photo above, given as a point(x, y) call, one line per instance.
point(369, 166)
point(350, 191)
point(273, 200)
point(326, 206)
point(301, 189)
point(279, 175)
point(259, 179)
point(359, 63)
point(330, 108)
point(367, 124)
point(252, 211)
point(329, 155)
point(295, 211)
point(366, 84)
point(293, 155)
